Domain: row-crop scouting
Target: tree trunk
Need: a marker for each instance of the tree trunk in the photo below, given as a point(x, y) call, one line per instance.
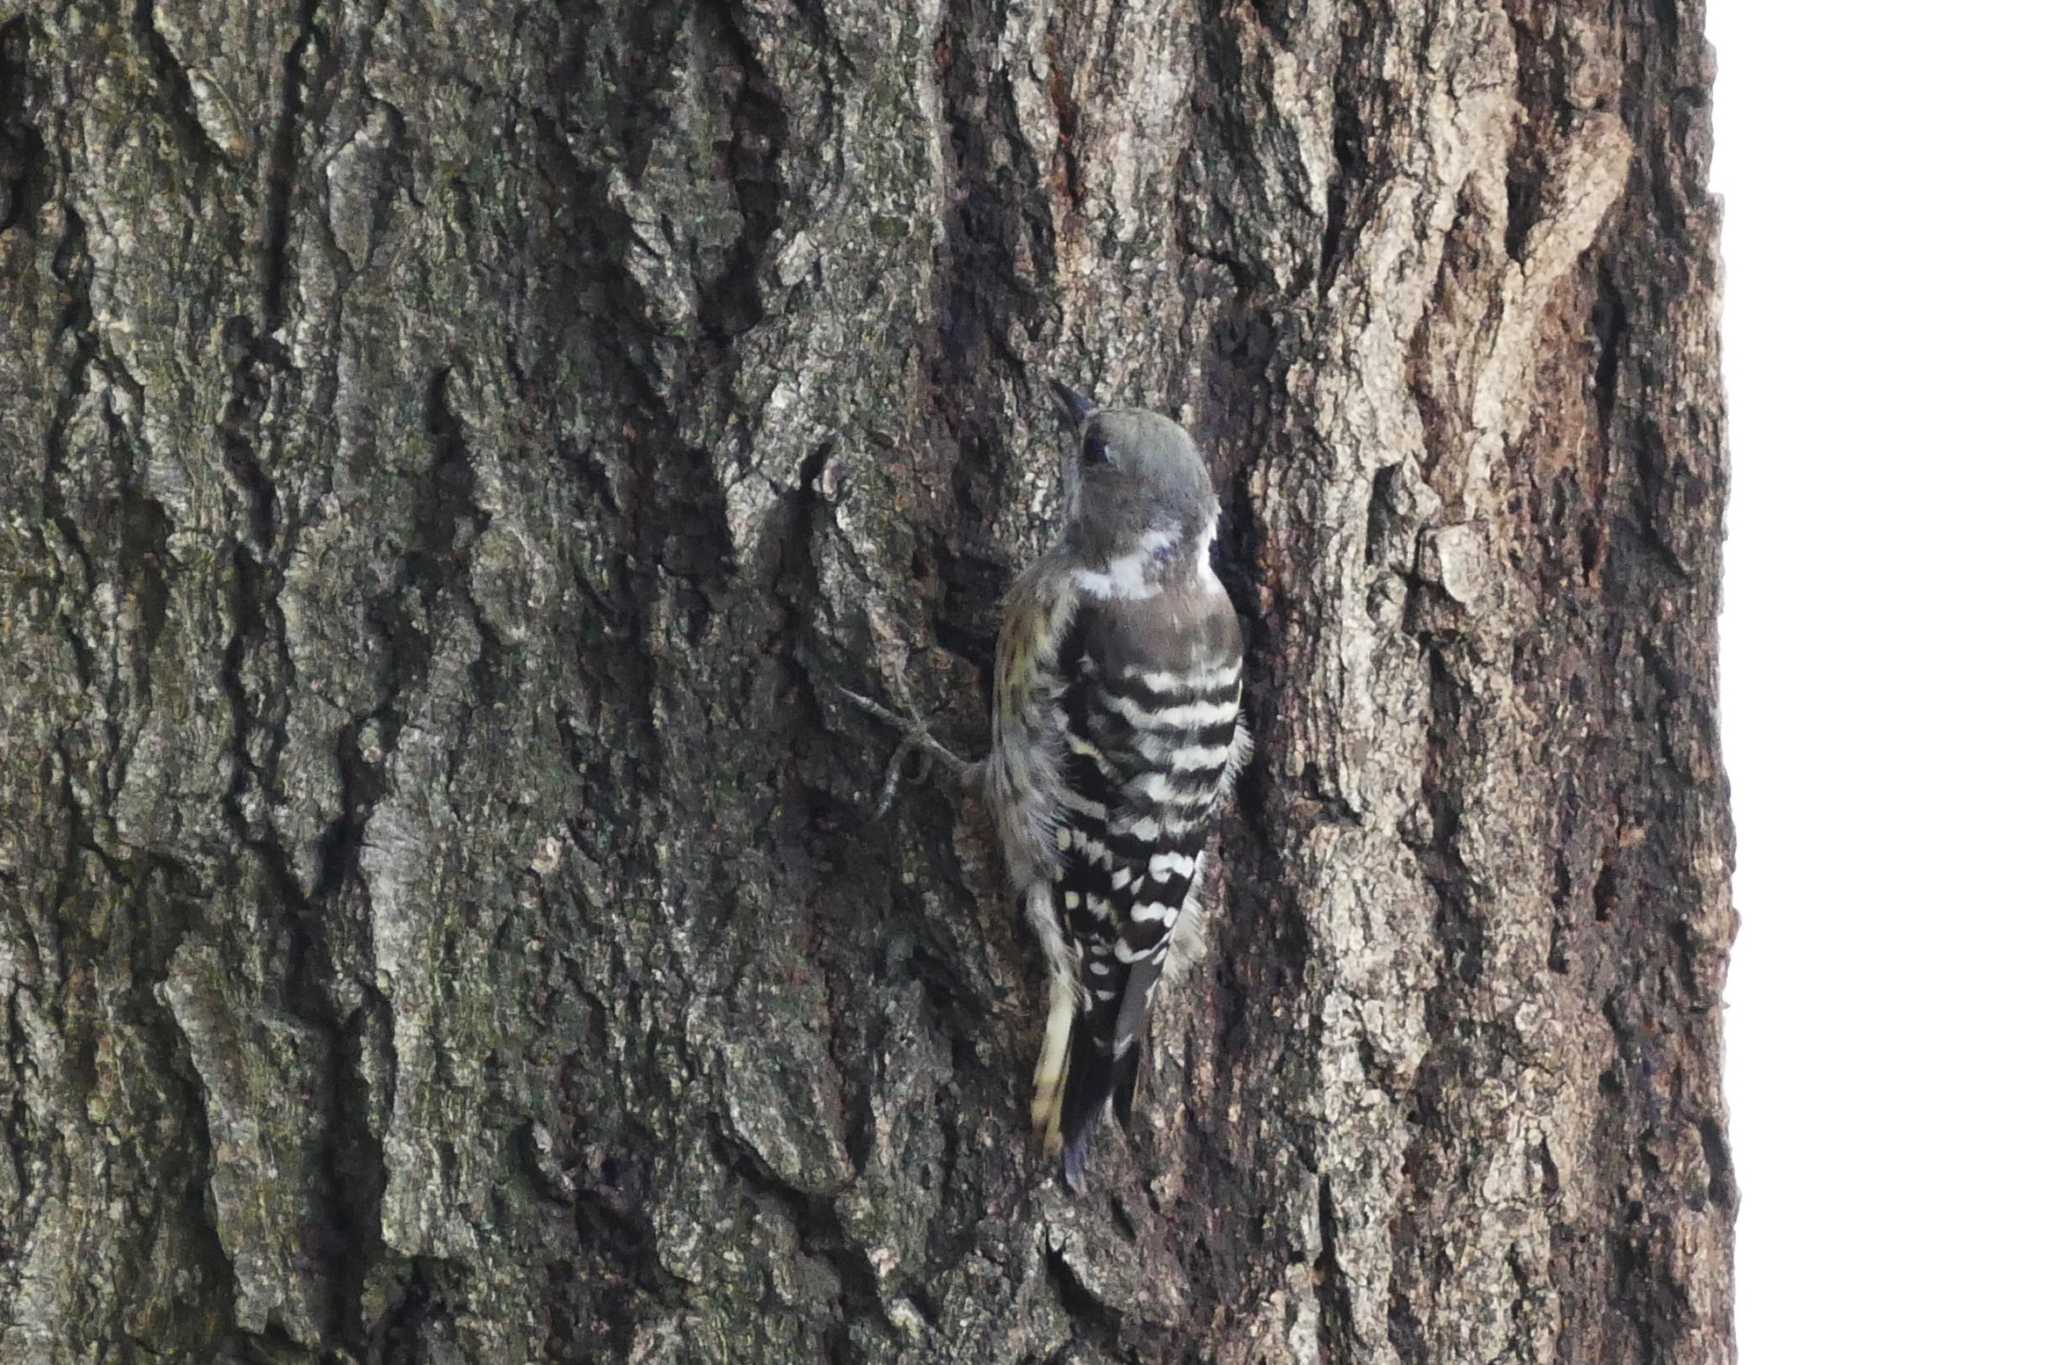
point(451, 452)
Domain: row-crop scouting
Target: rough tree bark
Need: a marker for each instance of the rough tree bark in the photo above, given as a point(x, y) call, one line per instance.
point(448, 449)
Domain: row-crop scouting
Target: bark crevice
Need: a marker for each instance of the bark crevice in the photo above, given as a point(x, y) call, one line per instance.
point(457, 457)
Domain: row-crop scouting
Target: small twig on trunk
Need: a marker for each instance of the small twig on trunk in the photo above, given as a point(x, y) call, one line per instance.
point(917, 743)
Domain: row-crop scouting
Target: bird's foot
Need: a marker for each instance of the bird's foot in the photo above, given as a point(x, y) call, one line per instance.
point(917, 747)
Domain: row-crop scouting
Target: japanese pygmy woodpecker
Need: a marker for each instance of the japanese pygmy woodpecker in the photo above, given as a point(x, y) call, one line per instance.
point(1119, 671)
point(1117, 733)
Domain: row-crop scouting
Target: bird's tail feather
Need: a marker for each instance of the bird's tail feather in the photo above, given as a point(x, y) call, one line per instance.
point(1125, 1091)
point(1103, 1071)
point(1096, 1079)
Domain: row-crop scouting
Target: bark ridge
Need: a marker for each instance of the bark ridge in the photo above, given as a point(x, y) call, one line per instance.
point(450, 453)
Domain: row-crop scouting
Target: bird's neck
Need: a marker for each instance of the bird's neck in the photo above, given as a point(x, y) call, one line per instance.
point(1154, 561)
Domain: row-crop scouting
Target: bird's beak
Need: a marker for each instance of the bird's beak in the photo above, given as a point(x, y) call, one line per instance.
point(1076, 405)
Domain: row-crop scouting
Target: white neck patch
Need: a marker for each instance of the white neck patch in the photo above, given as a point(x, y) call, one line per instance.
point(1134, 576)
point(1124, 577)
point(1203, 567)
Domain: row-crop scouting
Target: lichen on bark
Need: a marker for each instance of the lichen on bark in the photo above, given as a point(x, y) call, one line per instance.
point(451, 454)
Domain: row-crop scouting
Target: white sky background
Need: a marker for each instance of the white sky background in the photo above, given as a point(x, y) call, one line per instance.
point(1883, 168)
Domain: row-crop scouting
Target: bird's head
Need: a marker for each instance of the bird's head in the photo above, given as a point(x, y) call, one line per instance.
point(1135, 486)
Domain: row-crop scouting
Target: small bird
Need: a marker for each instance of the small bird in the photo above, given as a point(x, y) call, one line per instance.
point(1119, 673)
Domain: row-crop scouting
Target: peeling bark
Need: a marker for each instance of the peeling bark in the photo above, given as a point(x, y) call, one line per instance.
point(451, 450)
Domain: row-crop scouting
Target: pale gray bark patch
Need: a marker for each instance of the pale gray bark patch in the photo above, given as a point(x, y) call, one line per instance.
point(450, 449)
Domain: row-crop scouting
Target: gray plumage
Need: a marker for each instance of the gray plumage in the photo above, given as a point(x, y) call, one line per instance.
point(1116, 736)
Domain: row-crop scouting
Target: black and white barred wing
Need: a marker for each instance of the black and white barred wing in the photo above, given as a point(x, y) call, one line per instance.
point(1151, 721)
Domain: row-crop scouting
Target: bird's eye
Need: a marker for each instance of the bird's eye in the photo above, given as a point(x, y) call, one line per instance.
point(1094, 450)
